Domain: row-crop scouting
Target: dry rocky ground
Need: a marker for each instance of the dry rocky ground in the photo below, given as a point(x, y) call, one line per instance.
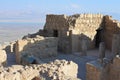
point(56, 70)
point(79, 60)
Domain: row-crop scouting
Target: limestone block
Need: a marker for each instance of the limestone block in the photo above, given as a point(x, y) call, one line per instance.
point(67, 68)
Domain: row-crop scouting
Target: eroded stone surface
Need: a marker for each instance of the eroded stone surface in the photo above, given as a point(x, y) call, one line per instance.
point(110, 71)
point(57, 70)
point(39, 47)
point(3, 57)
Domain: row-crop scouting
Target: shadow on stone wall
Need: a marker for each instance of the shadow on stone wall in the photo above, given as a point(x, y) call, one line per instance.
point(79, 42)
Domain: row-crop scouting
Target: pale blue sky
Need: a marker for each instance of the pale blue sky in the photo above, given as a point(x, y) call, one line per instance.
point(35, 10)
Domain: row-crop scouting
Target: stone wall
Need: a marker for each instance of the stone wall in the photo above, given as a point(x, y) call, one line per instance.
point(70, 29)
point(111, 27)
point(115, 69)
point(56, 22)
point(99, 71)
point(3, 57)
point(96, 71)
point(85, 26)
point(57, 70)
point(40, 47)
point(57, 26)
point(10, 48)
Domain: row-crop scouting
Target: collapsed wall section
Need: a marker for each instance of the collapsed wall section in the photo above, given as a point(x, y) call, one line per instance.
point(57, 70)
point(39, 47)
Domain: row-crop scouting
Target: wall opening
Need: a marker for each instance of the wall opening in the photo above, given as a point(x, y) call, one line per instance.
point(55, 33)
point(98, 37)
point(34, 62)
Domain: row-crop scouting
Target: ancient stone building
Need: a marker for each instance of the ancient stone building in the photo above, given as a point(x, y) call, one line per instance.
point(75, 33)
point(72, 30)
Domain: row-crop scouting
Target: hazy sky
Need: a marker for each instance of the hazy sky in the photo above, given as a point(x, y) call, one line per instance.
point(35, 10)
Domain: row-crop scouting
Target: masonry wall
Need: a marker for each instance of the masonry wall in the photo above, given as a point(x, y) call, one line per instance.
point(60, 24)
point(72, 30)
point(85, 27)
point(3, 57)
point(56, 22)
point(111, 27)
point(115, 69)
point(40, 47)
point(108, 71)
point(97, 71)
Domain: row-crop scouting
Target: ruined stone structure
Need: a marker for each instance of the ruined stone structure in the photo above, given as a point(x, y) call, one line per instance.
point(105, 68)
point(110, 71)
point(38, 47)
point(71, 34)
point(57, 70)
point(3, 57)
point(71, 30)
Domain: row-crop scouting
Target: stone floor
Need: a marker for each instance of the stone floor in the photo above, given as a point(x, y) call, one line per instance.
point(80, 60)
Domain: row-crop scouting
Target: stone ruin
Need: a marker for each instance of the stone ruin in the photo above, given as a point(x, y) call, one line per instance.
point(70, 34)
point(3, 57)
point(35, 48)
point(57, 70)
point(73, 30)
point(106, 71)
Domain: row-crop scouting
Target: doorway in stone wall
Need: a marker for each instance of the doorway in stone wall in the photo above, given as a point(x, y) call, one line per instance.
point(98, 37)
point(55, 33)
